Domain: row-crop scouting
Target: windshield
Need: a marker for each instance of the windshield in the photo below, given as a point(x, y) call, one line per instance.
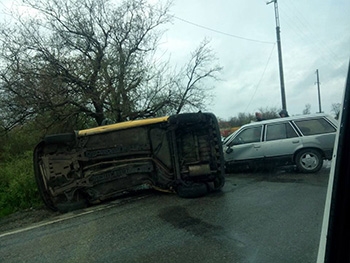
point(228, 138)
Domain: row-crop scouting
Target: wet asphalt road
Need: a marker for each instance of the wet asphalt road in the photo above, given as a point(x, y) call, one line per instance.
point(257, 217)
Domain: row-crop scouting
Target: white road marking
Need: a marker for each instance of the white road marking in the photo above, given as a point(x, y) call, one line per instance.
point(70, 215)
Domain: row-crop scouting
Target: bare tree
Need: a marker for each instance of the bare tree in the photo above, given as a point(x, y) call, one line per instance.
point(190, 86)
point(336, 109)
point(80, 57)
point(80, 62)
point(307, 109)
point(269, 113)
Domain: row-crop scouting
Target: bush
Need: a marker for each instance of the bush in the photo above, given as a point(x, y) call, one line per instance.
point(18, 189)
point(17, 141)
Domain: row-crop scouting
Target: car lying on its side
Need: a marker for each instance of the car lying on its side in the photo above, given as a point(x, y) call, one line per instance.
point(181, 153)
point(304, 141)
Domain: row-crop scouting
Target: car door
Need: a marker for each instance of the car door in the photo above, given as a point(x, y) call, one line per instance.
point(245, 145)
point(281, 141)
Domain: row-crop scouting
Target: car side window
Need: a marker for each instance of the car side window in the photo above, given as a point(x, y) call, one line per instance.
point(291, 133)
point(248, 135)
point(315, 126)
point(279, 131)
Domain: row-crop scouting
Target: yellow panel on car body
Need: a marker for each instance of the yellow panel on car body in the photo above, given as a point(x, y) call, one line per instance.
point(121, 126)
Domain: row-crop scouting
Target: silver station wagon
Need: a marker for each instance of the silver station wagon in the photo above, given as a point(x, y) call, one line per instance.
point(304, 141)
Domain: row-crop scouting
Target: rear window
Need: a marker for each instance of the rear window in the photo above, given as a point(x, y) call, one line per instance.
point(315, 126)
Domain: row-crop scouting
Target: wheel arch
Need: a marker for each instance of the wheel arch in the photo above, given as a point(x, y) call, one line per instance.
point(306, 148)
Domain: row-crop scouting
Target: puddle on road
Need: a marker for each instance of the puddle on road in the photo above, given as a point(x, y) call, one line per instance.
point(180, 218)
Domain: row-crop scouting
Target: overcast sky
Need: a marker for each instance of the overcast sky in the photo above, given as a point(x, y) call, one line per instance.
point(314, 35)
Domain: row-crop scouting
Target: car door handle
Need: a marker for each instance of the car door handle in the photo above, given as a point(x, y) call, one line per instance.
point(296, 141)
point(257, 146)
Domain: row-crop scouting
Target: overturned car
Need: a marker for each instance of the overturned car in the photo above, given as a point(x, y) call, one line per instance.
point(180, 153)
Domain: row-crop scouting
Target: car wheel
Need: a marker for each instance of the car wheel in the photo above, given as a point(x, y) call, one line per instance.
point(216, 185)
point(192, 191)
point(309, 161)
point(186, 118)
point(43, 192)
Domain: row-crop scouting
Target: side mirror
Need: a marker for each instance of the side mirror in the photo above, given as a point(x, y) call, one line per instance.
point(229, 150)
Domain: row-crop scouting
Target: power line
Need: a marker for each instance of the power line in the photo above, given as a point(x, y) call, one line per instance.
point(223, 33)
point(257, 86)
point(306, 32)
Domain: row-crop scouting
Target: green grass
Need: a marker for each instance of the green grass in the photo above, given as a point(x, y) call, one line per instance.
point(18, 189)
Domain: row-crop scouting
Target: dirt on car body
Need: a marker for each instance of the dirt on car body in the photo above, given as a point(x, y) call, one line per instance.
point(181, 154)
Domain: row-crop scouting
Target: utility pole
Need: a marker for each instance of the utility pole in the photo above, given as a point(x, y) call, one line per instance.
point(318, 88)
point(279, 49)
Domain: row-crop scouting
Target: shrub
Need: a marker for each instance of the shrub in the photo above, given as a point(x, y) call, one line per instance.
point(18, 189)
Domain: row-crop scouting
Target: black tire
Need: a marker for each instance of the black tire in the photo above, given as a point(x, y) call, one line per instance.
point(192, 191)
point(309, 161)
point(44, 194)
point(186, 118)
point(60, 138)
point(217, 184)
